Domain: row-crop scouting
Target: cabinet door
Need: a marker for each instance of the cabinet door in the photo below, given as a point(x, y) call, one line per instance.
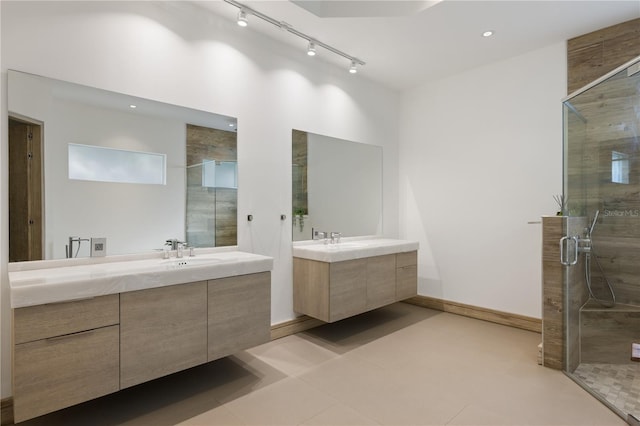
point(239, 313)
point(311, 288)
point(347, 289)
point(381, 281)
point(407, 275)
point(51, 374)
point(163, 330)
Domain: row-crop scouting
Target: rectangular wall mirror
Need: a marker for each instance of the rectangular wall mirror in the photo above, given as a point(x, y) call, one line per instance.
point(337, 186)
point(181, 199)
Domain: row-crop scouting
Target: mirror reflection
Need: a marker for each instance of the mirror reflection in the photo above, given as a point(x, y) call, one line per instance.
point(337, 186)
point(182, 162)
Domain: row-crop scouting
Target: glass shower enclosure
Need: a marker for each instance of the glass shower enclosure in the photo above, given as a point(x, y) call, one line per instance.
point(602, 195)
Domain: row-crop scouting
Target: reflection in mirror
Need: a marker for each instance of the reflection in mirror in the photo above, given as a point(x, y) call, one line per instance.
point(47, 208)
point(337, 186)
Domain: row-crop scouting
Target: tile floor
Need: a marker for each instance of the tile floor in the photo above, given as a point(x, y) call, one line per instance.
point(619, 384)
point(399, 365)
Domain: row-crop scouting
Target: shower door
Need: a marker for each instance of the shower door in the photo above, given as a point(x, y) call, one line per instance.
point(602, 186)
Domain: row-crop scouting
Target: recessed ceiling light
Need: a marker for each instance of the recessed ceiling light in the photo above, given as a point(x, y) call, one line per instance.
point(133, 106)
point(487, 33)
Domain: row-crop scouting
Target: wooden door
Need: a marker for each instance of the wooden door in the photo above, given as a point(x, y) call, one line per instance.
point(25, 191)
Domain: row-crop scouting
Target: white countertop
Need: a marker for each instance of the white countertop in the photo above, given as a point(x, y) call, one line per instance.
point(351, 248)
point(36, 283)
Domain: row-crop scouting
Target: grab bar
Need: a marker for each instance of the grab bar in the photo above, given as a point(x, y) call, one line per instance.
point(564, 241)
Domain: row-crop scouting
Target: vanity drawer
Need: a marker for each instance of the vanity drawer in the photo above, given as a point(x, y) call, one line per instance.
point(51, 374)
point(408, 258)
point(57, 319)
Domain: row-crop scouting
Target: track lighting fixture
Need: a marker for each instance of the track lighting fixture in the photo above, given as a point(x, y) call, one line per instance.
point(242, 18)
point(311, 50)
point(313, 42)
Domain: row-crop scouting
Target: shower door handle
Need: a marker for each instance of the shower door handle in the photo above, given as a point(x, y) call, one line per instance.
point(564, 254)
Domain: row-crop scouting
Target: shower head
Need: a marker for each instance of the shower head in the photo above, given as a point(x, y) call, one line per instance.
point(593, 224)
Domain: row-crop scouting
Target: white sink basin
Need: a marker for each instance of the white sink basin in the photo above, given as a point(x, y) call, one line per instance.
point(56, 283)
point(351, 249)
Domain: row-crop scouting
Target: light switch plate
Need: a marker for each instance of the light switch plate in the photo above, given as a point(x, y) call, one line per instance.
point(98, 247)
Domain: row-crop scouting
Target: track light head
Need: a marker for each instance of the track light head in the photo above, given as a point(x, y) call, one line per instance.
point(311, 50)
point(244, 11)
point(242, 18)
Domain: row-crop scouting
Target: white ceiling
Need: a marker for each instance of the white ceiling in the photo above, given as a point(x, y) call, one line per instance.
point(405, 43)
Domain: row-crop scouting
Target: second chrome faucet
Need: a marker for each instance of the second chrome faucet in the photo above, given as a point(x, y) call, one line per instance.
point(328, 237)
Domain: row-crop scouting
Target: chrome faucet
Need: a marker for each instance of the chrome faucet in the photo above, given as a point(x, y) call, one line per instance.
point(69, 248)
point(335, 237)
point(317, 235)
point(173, 243)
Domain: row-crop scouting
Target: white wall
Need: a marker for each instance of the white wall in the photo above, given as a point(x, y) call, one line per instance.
point(178, 54)
point(480, 156)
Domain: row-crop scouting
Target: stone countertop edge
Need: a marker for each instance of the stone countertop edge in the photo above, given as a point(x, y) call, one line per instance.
point(372, 246)
point(41, 289)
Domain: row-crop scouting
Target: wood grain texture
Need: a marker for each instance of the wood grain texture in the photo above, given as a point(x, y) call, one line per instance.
point(55, 319)
point(592, 55)
point(311, 288)
point(406, 275)
point(163, 330)
point(381, 281)
point(552, 292)
point(607, 333)
point(6, 411)
point(347, 289)
point(606, 126)
point(504, 318)
point(25, 191)
point(296, 325)
point(575, 297)
point(239, 313)
point(51, 374)
point(299, 160)
point(211, 217)
point(334, 291)
point(561, 310)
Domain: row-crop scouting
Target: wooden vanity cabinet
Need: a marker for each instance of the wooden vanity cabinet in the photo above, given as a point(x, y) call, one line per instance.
point(71, 352)
point(239, 313)
point(162, 330)
point(64, 354)
point(406, 275)
point(381, 281)
point(331, 291)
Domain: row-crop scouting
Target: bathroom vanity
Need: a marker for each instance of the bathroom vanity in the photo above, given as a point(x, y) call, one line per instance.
point(335, 281)
point(90, 329)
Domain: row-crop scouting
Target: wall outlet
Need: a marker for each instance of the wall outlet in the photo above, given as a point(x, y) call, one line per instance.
point(98, 247)
point(635, 352)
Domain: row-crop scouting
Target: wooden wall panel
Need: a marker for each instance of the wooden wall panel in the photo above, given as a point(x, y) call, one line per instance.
point(299, 159)
point(592, 55)
point(211, 212)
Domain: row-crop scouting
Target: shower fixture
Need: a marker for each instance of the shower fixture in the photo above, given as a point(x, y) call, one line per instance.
point(585, 245)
